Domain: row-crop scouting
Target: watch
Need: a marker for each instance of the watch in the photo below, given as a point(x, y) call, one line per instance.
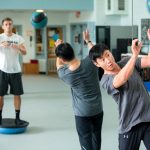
point(88, 42)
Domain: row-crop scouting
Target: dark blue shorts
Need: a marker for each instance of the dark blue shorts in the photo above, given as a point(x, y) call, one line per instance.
point(14, 80)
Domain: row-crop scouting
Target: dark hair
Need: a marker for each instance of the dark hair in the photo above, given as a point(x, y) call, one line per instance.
point(97, 51)
point(65, 51)
point(7, 19)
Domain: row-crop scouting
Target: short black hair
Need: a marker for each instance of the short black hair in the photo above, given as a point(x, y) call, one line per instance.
point(65, 51)
point(7, 19)
point(97, 51)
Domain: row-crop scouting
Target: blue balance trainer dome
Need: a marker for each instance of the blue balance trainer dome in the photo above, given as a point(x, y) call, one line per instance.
point(39, 20)
point(9, 126)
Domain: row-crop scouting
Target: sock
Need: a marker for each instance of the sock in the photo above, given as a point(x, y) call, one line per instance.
point(0, 116)
point(17, 114)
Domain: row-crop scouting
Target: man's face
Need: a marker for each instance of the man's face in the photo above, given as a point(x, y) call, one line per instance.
point(7, 26)
point(107, 61)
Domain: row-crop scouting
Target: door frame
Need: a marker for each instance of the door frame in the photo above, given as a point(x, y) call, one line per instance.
point(64, 39)
point(45, 46)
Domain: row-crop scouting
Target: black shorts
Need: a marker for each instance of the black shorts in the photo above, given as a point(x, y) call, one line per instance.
point(14, 80)
point(132, 139)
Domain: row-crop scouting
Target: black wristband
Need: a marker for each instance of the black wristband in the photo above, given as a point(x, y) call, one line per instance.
point(88, 42)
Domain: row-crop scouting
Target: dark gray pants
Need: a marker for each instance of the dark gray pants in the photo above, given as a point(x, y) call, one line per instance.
point(89, 131)
point(132, 139)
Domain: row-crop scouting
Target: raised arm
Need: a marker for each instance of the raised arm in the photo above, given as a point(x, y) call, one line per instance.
point(124, 74)
point(145, 61)
point(86, 37)
point(59, 62)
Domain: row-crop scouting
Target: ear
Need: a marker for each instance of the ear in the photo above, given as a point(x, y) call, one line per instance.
point(96, 64)
point(62, 60)
point(3, 27)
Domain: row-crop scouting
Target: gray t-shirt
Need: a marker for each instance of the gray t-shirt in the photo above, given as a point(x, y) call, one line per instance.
point(85, 88)
point(132, 98)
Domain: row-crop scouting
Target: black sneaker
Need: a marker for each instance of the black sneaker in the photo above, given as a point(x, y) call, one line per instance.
point(19, 122)
point(0, 120)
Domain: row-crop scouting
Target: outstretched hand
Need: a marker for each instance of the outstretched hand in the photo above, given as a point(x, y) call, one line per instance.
point(136, 47)
point(86, 36)
point(58, 42)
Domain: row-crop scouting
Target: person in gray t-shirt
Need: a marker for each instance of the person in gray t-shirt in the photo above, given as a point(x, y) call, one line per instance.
point(82, 77)
point(123, 82)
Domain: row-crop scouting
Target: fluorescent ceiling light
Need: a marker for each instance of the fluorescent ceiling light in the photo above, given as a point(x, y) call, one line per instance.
point(39, 10)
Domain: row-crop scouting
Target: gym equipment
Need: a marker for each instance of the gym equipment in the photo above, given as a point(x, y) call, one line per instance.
point(39, 20)
point(8, 126)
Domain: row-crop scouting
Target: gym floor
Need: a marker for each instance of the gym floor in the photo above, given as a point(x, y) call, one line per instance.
point(46, 104)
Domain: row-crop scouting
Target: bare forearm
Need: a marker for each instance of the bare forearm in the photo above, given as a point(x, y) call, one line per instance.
point(145, 61)
point(124, 74)
point(86, 37)
point(59, 63)
point(22, 50)
point(90, 44)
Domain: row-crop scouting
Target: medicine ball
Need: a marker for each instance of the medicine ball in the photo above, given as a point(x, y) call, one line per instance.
point(39, 20)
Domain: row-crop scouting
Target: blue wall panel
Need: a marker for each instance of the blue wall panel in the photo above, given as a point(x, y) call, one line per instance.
point(48, 4)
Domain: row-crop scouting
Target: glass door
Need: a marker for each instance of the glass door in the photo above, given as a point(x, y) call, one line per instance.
point(103, 35)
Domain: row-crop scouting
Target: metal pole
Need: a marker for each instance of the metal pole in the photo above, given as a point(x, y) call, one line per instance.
point(132, 20)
